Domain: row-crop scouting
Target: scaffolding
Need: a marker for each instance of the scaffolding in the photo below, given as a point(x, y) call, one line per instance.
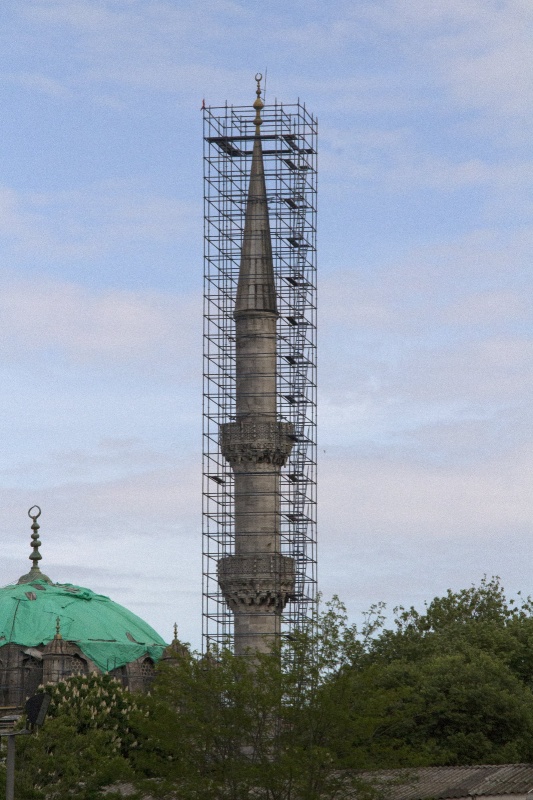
point(289, 139)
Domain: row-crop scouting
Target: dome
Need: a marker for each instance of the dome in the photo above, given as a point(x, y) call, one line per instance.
point(106, 632)
point(50, 631)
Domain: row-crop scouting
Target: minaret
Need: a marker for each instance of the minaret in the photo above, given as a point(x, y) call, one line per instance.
point(257, 581)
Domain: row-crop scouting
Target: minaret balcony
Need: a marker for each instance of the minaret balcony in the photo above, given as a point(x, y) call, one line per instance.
point(256, 442)
point(257, 579)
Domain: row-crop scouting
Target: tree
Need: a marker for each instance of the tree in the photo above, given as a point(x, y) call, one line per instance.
point(85, 743)
point(231, 728)
point(219, 726)
point(452, 685)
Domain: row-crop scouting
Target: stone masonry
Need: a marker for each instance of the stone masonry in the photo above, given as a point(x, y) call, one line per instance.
point(257, 581)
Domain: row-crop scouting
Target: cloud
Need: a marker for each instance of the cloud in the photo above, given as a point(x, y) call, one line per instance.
point(438, 339)
point(475, 279)
point(395, 526)
point(153, 45)
point(476, 51)
point(103, 326)
point(413, 380)
point(490, 306)
point(34, 81)
point(473, 56)
point(89, 223)
point(473, 53)
point(393, 160)
point(488, 62)
point(382, 394)
point(405, 521)
point(415, 97)
point(108, 457)
point(395, 496)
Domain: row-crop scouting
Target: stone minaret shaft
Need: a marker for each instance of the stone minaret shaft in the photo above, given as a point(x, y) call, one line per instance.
point(257, 581)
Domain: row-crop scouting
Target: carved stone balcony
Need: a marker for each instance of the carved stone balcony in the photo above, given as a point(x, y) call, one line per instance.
point(257, 580)
point(256, 442)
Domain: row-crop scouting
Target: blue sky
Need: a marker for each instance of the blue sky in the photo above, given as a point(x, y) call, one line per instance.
point(425, 252)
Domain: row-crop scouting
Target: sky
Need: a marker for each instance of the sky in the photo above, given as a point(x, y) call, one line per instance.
point(425, 287)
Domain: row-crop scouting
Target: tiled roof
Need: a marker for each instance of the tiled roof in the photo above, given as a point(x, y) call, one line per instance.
point(445, 783)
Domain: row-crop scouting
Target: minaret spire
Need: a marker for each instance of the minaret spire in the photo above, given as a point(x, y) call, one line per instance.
point(257, 580)
point(256, 290)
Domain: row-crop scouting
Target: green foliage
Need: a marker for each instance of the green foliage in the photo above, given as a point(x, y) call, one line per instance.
point(231, 728)
point(480, 615)
point(447, 686)
point(452, 685)
point(89, 731)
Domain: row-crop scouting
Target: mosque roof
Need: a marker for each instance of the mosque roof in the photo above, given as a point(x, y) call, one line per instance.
point(105, 631)
point(34, 609)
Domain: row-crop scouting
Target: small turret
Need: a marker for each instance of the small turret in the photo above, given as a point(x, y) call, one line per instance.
point(57, 657)
point(175, 650)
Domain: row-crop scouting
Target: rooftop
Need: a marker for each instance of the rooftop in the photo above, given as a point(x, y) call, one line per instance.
point(105, 631)
point(446, 783)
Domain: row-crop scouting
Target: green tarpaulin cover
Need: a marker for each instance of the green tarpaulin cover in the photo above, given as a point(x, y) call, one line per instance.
point(105, 632)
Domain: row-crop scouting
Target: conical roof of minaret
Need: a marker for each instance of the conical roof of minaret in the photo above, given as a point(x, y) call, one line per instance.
point(256, 290)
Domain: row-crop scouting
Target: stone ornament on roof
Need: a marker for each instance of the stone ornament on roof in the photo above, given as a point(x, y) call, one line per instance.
point(35, 573)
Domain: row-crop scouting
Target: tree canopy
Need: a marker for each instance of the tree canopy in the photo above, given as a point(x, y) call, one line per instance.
point(446, 686)
point(451, 684)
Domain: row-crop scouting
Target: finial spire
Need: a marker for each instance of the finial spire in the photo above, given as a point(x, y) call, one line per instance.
point(175, 632)
point(36, 542)
point(256, 291)
point(35, 573)
point(258, 104)
point(58, 629)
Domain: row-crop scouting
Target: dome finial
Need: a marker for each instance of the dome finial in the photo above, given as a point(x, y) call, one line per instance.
point(175, 632)
point(35, 573)
point(36, 543)
point(258, 104)
point(58, 628)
